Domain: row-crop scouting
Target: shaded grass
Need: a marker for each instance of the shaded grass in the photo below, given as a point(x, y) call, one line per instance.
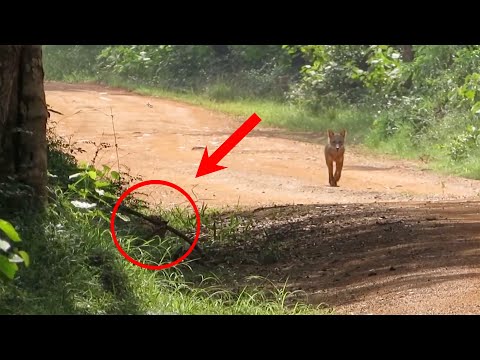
point(76, 270)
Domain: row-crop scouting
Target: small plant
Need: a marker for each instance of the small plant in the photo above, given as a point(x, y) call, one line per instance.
point(462, 144)
point(10, 256)
point(220, 92)
point(470, 90)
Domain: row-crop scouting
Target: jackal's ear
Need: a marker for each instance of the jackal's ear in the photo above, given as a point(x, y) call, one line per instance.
point(330, 133)
point(343, 132)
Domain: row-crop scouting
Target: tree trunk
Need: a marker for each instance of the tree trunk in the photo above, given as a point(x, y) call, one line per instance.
point(23, 118)
point(221, 50)
point(407, 53)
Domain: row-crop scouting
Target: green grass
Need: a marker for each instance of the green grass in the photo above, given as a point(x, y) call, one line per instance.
point(434, 145)
point(75, 269)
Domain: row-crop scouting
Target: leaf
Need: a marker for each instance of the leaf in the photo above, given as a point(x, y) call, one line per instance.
point(123, 217)
point(7, 268)
point(102, 215)
point(115, 175)
point(470, 94)
point(25, 257)
point(110, 195)
point(75, 176)
point(83, 192)
point(476, 108)
point(83, 165)
point(92, 174)
point(14, 258)
point(9, 230)
point(82, 204)
point(100, 184)
point(100, 192)
point(4, 245)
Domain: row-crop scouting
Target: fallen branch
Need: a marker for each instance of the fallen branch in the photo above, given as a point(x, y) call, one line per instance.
point(161, 225)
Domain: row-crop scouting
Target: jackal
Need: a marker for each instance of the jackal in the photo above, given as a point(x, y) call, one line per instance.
point(334, 152)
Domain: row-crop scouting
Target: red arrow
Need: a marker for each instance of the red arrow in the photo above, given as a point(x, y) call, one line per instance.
point(210, 164)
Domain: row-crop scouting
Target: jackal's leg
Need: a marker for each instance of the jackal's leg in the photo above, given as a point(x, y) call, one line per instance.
point(338, 169)
point(331, 178)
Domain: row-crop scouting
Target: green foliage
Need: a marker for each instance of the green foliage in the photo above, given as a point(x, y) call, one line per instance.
point(248, 71)
point(469, 92)
point(220, 92)
point(76, 61)
point(431, 61)
point(10, 255)
point(463, 144)
point(437, 117)
point(401, 112)
point(327, 76)
point(384, 69)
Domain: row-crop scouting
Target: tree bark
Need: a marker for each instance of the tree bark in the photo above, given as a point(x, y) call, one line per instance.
point(407, 53)
point(221, 50)
point(23, 118)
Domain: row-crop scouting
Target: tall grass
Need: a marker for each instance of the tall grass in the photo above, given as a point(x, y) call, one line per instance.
point(448, 145)
point(76, 270)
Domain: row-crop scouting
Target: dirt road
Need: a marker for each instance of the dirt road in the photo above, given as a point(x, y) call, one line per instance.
point(163, 139)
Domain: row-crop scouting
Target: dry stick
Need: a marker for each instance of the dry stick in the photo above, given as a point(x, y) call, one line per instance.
point(156, 220)
point(115, 138)
point(184, 237)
